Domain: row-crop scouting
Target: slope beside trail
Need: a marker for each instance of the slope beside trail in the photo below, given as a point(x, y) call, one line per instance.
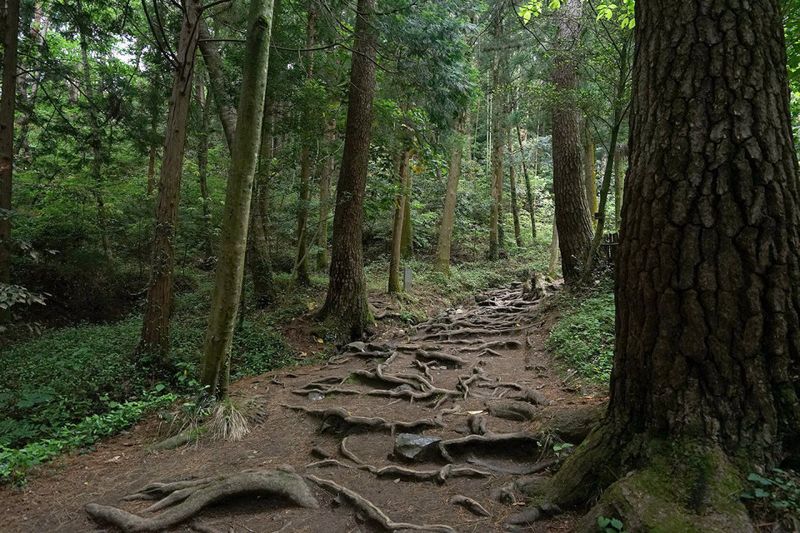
point(476, 377)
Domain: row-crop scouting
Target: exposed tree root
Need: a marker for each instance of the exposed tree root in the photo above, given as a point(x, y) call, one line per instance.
point(491, 440)
point(400, 472)
point(506, 344)
point(517, 470)
point(513, 410)
point(345, 419)
point(370, 510)
point(470, 505)
point(186, 498)
point(445, 358)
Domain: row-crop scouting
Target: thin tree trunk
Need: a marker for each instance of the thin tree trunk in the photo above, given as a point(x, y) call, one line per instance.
point(96, 136)
point(407, 238)
point(554, 252)
point(590, 177)
point(403, 175)
point(230, 268)
point(155, 327)
point(258, 255)
point(451, 194)
point(512, 179)
point(572, 209)
point(528, 187)
point(219, 86)
point(619, 184)
point(10, 26)
point(202, 163)
point(346, 303)
point(301, 270)
point(497, 145)
point(325, 196)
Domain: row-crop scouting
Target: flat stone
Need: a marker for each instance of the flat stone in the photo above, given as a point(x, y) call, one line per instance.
point(415, 447)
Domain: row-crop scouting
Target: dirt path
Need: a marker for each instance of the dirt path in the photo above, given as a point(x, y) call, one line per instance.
point(477, 377)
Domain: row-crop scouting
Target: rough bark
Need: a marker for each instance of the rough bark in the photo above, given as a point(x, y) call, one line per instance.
point(158, 308)
point(236, 213)
point(325, 196)
point(451, 194)
point(528, 188)
point(403, 176)
point(304, 189)
point(512, 181)
point(346, 302)
point(7, 104)
point(572, 209)
point(708, 271)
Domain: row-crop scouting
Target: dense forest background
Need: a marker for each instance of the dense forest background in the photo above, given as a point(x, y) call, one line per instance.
point(123, 137)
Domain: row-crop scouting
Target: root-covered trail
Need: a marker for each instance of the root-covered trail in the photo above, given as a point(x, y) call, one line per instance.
point(434, 432)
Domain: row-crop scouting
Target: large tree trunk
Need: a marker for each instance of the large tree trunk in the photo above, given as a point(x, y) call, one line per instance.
point(346, 303)
point(325, 196)
point(708, 272)
point(572, 208)
point(528, 188)
point(10, 26)
point(451, 194)
point(512, 181)
point(403, 176)
point(301, 270)
point(155, 327)
point(236, 214)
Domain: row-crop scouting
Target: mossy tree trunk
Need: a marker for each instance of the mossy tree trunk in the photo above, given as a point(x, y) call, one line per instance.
point(158, 308)
point(202, 163)
point(346, 303)
point(451, 194)
point(9, 23)
point(708, 272)
point(528, 187)
point(572, 208)
point(236, 213)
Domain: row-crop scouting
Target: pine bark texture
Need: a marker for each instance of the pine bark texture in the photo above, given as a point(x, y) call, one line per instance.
point(155, 327)
point(572, 209)
point(10, 24)
point(346, 301)
point(236, 214)
point(708, 313)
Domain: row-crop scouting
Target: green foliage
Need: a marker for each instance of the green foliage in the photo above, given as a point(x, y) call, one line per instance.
point(584, 336)
point(775, 496)
point(610, 525)
point(14, 463)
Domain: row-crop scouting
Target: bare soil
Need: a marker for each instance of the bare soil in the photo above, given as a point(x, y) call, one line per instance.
point(410, 378)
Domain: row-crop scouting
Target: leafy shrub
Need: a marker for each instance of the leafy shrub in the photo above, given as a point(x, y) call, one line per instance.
point(775, 497)
point(584, 336)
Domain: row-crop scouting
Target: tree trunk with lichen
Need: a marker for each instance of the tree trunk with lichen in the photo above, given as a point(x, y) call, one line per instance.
point(158, 308)
point(236, 213)
point(708, 271)
point(345, 307)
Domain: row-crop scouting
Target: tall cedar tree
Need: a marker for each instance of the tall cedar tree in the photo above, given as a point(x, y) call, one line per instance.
point(572, 208)
point(451, 195)
point(155, 327)
point(708, 278)
point(346, 303)
point(236, 213)
point(10, 26)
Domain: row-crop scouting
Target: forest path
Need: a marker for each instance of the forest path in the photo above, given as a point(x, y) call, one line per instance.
point(476, 377)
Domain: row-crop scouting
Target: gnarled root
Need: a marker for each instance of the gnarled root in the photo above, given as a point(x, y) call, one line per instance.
point(186, 498)
point(371, 511)
point(343, 418)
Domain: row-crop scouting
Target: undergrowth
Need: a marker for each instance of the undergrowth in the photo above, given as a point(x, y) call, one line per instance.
point(583, 337)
